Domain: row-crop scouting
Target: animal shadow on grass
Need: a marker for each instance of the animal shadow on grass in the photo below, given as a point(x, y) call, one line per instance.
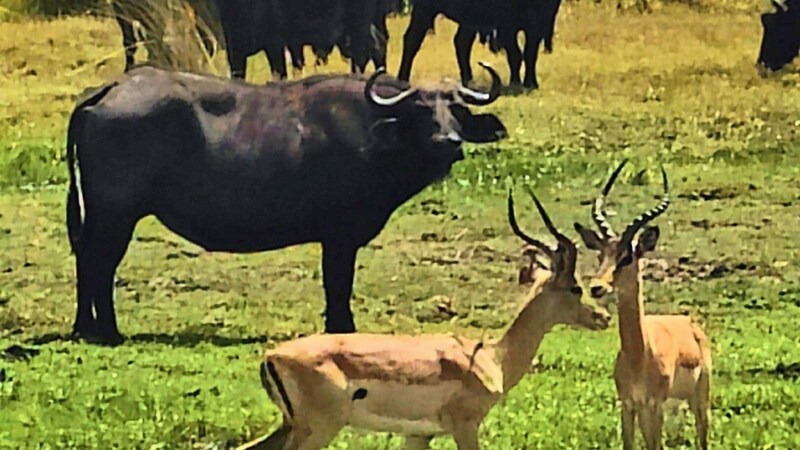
point(184, 338)
point(515, 90)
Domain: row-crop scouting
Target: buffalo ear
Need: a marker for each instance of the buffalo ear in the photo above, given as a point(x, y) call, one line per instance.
point(483, 128)
point(480, 128)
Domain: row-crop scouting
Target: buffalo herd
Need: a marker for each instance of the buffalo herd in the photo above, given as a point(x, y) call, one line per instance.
point(240, 168)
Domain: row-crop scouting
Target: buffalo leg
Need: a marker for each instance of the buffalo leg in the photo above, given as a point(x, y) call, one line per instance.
point(463, 41)
point(532, 42)
point(421, 22)
point(237, 60)
point(514, 57)
point(380, 39)
point(102, 248)
point(207, 40)
point(84, 317)
point(338, 273)
point(277, 59)
point(128, 42)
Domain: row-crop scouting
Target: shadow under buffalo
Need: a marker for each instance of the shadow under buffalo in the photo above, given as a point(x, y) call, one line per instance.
point(180, 339)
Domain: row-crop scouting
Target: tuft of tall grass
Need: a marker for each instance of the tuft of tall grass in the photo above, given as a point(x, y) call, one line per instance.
point(177, 34)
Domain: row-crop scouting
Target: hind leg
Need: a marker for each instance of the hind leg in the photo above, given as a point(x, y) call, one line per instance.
point(463, 41)
point(700, 406)
point(421, 21)
point(104, 242)
point(275, 441)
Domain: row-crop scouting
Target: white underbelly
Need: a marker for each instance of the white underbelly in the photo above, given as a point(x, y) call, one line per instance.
point(397, 408)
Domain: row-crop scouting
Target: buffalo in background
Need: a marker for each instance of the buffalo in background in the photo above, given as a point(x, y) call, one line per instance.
point(780, 43)
point(497, 22)
point(240, 168)
point(252, 26)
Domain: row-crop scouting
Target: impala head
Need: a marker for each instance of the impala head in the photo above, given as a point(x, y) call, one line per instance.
point(560, 289)
point(619, 251)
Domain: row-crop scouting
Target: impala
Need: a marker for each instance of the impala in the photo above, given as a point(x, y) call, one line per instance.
point(662, 356)
point(420, 385)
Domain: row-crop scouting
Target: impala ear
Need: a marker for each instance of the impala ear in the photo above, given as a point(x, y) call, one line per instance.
point(592, 240)
point(647, 240)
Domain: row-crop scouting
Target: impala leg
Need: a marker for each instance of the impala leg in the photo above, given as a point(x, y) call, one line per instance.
point(700, 407)
point(417, 442)
point(628, 425)
point(466, 437)
point(651, 420)
point(313, 440)
point(275, 441)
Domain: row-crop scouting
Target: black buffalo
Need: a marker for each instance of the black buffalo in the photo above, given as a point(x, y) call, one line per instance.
point(252, 26)
point(780, 43)
point(152, 32)
point(496, 21)
point(240, 168)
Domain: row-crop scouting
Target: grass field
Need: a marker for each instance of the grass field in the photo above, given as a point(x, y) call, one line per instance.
point(676, 87)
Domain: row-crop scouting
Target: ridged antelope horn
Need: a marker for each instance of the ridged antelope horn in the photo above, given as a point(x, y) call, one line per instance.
point(639, 222)
point(598, 207)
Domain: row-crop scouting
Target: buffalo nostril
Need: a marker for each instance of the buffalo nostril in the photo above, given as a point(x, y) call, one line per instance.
point(597, 291)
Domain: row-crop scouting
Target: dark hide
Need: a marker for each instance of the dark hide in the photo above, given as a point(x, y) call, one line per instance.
point(205, 10)
point(780, 42)
point(252, 26)
point(497, 22)
point(239, 168)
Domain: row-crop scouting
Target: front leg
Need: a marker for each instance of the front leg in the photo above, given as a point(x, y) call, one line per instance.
point(533, 39)
point(417, 442)
point(463, 41)
point(466, 437)
point(338, 272)
point(628, 424)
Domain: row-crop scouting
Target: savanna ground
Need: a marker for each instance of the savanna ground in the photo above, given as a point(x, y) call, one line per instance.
point(676, 87)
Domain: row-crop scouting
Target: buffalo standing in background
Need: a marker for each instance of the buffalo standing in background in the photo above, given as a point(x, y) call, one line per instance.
point(498, 21)
point(780, 43)
point(241, 168)
point(251, 26)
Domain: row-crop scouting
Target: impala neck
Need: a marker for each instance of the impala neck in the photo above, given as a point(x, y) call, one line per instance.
point(520, 343)
point(628, 283)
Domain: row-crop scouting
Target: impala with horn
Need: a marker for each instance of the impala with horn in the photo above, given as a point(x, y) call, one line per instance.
point(421, 385)
point(662, 356)
point(241, 168)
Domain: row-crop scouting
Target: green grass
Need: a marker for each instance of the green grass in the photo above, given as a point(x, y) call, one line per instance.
point(675, 87)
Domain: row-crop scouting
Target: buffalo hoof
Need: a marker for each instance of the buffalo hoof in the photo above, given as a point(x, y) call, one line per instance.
point(93, 335)
point(531, 85)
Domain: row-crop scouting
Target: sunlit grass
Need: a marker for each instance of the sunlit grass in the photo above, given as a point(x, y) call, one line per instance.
point(675, 87)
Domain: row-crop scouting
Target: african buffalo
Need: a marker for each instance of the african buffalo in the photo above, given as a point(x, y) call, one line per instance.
point(251, 26)
point(153, 27)
point(239, 168)
point(496, 21)
point(780, 43)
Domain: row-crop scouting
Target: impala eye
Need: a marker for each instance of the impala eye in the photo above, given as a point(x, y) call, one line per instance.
point(577, 290)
